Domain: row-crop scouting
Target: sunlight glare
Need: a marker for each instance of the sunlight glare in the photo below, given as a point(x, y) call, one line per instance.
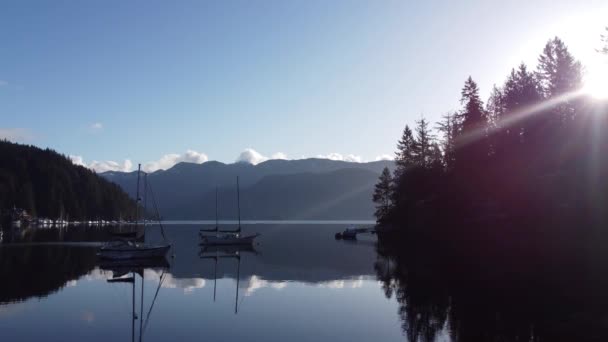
point(596, 80)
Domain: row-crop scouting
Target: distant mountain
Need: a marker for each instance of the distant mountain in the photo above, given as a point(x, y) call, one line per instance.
point(275, 189)
point(47, 184)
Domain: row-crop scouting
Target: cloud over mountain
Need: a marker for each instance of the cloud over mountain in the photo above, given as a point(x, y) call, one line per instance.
point(337, 156)
point(165, 162)
point(254, 157)
point(385, 157)
point(168, 160)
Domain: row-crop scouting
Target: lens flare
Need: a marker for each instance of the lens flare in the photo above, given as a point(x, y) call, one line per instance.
point(596, 81)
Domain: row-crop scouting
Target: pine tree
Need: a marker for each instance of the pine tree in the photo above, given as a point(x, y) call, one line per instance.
point(471, 143)
point(473, 116)
point(495, 107)
point(424, 144)
point(449, 130)
point(405, 155)
point(383, 194)
point(558, 71)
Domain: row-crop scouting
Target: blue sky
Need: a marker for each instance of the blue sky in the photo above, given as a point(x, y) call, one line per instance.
point(143, 80)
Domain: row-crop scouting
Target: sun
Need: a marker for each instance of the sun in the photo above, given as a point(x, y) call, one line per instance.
point(596, 80)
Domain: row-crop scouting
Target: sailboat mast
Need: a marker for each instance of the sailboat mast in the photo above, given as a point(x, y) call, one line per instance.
point(141, 310)
point(238, 200)
point(133, 296)
point(137, 198)
point(238, 279)
point(215, 277)
point(145, 196)
point(216, 220)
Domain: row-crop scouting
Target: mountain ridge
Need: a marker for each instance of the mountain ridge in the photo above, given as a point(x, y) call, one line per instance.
point(187, 190)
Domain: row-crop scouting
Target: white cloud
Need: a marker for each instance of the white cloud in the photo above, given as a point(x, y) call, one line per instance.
point(165, 162)
point(77, 160)
point(15, 134)
point(97, 126)
point(169, 160)
point(109, 165)
point(340, 284)
point(279, 155)
point(385, 157)
point(279, 286)
point(334, 284)
point(353, 158)
point(255, 283)
point(186, 284)
point(337, 156)
point(251, 156)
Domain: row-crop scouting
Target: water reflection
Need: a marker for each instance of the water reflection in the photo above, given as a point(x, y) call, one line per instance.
point(445, 299)
point(39, 262)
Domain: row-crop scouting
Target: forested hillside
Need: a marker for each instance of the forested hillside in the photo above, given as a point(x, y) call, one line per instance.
point(275, 189)
point(47, 184)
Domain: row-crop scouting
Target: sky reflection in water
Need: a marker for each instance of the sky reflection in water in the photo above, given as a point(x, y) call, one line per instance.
point(299, 284)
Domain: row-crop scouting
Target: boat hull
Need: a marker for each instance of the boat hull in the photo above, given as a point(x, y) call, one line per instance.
point(213, 240)
point(131, 253)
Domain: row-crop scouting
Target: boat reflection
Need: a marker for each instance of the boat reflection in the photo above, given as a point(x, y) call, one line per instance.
point(125, 271)
point(228, 251)
point(47, 260)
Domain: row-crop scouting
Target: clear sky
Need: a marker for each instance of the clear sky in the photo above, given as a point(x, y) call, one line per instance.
point(147, 80)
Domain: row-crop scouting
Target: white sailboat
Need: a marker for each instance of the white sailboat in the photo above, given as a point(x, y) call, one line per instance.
point(127, 249)
point(227, 237)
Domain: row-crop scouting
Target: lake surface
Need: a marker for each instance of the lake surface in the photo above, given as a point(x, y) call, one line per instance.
point(298, 284)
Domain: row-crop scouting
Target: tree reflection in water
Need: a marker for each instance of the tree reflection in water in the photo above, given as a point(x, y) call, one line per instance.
point(469, 300)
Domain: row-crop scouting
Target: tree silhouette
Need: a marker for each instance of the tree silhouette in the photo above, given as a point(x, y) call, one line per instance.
point(47, 184)
point(383, 195)
point(405, 156)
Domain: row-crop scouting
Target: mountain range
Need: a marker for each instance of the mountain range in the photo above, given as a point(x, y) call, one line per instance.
point(304, 189)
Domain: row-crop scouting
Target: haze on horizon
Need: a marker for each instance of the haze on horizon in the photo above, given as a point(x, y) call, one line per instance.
point(118, 83)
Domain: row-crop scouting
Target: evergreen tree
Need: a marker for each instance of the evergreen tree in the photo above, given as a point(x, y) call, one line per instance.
point(473, 116)
point(471, 143)
point(383, 195)
point(423, 145)
point(49, 185)
point(405, 155)
point(521, 90)
point(449, 131)
point(558, 71)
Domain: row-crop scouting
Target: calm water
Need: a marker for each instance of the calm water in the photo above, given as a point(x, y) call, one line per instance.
point(298, 284)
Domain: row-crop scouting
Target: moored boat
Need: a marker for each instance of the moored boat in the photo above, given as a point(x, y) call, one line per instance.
point(230, 237)
point(127, 248)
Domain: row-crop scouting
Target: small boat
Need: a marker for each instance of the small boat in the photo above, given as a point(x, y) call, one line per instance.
point(226, 237)
point(126, 248)
point(351, 233)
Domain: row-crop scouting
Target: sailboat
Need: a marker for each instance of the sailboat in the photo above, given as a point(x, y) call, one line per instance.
point(139, 232)
point(126, 249)
point(227, 237)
